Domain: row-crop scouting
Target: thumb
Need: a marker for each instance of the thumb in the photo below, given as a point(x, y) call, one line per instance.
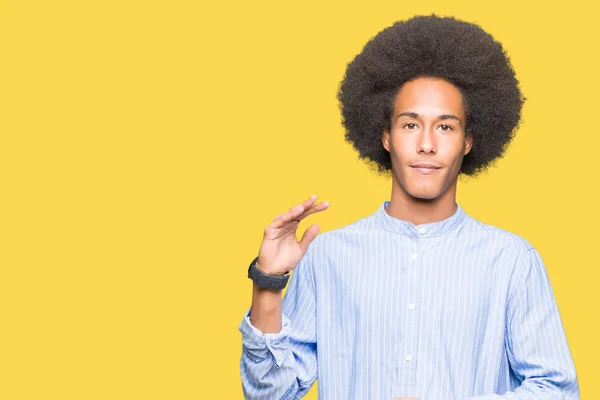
point(308, 236)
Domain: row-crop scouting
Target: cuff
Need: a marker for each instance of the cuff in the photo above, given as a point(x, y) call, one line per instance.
point(258, 345)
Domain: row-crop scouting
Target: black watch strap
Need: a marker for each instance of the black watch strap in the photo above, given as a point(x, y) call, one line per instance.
point(266, 281)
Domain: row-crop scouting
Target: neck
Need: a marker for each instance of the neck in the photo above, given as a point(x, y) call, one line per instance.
point(421, 211)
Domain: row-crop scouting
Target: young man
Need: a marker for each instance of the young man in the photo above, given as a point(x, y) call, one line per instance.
point(417, 300)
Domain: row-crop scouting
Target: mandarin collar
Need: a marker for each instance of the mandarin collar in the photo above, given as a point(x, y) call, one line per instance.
point(431, 229)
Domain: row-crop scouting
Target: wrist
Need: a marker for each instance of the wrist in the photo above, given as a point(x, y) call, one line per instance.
point(265, 280)
point(268, 271)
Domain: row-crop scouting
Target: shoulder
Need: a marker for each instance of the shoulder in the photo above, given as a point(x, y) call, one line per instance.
point(505, 249)
point(496, 236)
point(345, 234)
point(346, 238)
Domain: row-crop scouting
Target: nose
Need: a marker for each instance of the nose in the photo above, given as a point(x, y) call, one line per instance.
point(426, 142)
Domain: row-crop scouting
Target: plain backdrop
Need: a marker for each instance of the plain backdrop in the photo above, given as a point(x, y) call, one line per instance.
point(145, 145)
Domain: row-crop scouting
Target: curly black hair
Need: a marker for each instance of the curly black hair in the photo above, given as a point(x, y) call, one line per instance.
point(459, 52)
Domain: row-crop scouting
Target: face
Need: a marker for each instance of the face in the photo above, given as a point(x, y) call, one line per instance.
point(427, 140)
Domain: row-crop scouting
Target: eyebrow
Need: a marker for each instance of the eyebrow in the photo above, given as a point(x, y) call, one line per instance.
point(415, 115)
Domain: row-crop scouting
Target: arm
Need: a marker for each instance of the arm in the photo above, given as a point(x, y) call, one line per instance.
point(279, 359)
point(283, 365)
point(538, 351)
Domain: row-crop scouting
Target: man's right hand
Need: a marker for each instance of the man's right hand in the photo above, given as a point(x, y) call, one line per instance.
point(280, 251)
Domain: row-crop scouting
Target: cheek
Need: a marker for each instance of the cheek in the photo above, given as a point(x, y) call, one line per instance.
point(403, 145)
point(451, 151)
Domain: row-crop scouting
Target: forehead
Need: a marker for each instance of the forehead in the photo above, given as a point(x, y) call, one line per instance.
point(429, 97)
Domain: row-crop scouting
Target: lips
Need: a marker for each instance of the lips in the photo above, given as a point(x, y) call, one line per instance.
point(425, 168)
point(425, 165)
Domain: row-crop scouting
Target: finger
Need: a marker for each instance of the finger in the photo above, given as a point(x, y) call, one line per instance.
point(309, 210)
point(284, 218)
point(314, 209)
point(293, 212)
point(309, 236)
point(309, 202)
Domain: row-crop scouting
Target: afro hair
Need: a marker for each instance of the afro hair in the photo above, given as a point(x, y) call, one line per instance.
point(459, 52)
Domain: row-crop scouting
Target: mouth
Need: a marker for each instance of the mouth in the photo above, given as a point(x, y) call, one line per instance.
point(425, 169)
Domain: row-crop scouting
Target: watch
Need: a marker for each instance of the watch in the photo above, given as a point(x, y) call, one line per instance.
point(267, 281)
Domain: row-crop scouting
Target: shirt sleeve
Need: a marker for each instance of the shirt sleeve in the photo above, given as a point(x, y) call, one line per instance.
point(536, 343)
point(283, 365)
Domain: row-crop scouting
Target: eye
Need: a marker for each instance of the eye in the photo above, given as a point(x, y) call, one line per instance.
point(446, 128)
point(409, 125)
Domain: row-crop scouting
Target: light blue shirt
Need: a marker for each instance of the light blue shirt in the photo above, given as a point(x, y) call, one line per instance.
point(381, 308)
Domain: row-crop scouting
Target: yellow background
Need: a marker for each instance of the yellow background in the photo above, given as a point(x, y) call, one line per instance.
point(146, 144)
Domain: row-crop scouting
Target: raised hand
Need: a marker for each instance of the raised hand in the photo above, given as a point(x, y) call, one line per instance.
point(280, 251)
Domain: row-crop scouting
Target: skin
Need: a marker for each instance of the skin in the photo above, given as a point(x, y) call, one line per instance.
point(428, 126)
point(280, 252)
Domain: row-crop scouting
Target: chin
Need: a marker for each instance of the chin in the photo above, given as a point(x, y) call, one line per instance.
point(425, 196)
point(424, 193)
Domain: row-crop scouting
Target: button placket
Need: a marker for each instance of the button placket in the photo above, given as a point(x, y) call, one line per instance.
point(411, 342)
point(411, 345)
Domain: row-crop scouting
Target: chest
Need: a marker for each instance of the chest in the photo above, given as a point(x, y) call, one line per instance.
point(415, 286)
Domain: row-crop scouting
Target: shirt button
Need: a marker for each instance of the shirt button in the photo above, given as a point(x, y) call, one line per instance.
point(422, 231)
point(413, 256)
point(411, 306)
point(408, 357)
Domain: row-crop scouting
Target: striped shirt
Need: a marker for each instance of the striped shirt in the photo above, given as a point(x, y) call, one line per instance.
point(382, 308)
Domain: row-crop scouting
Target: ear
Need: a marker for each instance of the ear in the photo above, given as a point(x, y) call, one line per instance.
point(468, 144)
point(385, 139)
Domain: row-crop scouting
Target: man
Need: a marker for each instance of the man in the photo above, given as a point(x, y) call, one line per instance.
point(417, 300)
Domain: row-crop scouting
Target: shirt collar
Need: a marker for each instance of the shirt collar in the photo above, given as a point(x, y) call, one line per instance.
point(431, 229)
